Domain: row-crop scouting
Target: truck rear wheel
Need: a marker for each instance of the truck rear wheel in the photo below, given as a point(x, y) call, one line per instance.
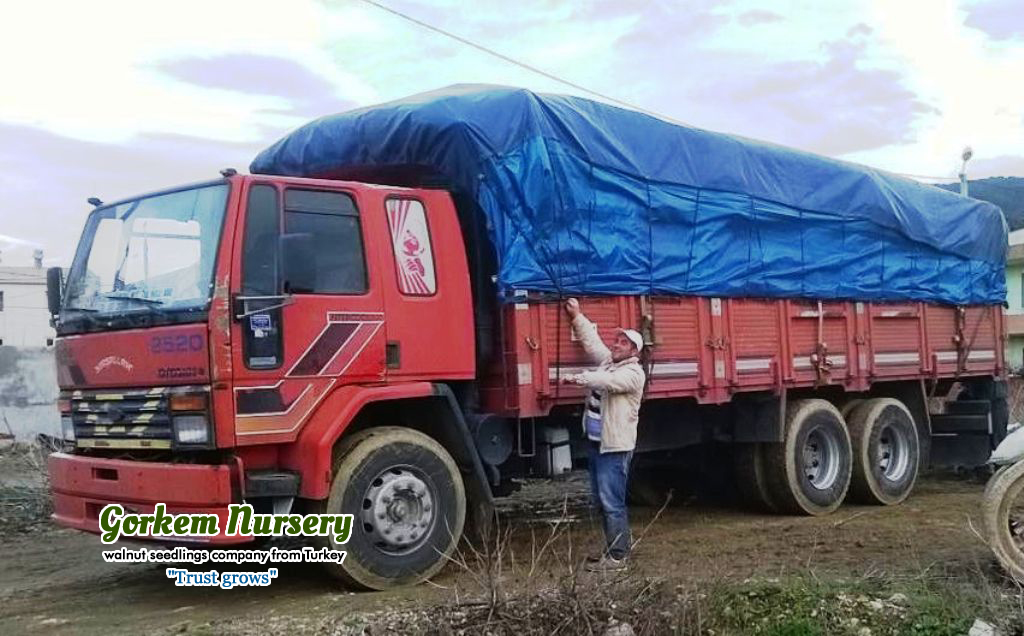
point(409, 503)
point(751, 479)
point(848, 407)
point(809, 472)
point(886, 452)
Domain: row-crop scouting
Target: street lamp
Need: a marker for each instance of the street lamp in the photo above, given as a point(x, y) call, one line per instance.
point(966, 156)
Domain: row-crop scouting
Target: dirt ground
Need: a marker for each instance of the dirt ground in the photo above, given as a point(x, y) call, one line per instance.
point(54, 580)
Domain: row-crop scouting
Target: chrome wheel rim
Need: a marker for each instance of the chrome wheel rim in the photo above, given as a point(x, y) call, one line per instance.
point(821, 458)
point(893, 453)
point(398, 510)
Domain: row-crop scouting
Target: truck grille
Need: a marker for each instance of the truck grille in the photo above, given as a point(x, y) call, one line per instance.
point(136, 418)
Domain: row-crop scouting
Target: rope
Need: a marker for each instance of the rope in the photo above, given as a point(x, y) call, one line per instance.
point(559, 308)
point(647, 359)
point(974, 336)
point(558, 348)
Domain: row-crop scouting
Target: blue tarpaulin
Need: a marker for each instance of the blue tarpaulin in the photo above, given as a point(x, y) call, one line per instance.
point(584, 198)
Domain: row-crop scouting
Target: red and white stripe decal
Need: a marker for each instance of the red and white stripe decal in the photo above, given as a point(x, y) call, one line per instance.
point(341, 341)
point(351, 348)
point(337, 346)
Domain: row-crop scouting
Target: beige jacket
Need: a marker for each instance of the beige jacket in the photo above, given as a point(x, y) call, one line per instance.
point(621, 385)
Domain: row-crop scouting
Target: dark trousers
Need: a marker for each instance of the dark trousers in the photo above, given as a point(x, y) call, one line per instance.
point(608, 475)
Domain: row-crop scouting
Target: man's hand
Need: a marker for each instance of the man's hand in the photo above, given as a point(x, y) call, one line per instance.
point(572, 378)
point(572, 307)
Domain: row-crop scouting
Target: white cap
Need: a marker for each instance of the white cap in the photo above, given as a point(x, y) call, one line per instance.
point(634, 336)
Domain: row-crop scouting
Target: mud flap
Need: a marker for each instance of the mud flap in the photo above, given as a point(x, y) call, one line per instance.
point(963, 435)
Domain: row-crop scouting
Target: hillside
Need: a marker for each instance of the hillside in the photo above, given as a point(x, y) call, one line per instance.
point(1006, 192)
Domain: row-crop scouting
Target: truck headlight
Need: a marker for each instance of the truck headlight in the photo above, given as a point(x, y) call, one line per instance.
point(191, 430)
point(67, 428)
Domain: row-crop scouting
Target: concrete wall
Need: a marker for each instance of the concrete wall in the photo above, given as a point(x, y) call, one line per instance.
point(1015, 352)
point(1015, 306)
point(1014, 296)
point(28, 392)
point(24, 320)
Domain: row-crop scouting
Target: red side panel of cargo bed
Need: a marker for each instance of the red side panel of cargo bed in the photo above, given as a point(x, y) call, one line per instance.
point(711, 349)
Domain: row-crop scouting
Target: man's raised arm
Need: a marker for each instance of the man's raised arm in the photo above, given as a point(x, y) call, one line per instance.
point(586, 332)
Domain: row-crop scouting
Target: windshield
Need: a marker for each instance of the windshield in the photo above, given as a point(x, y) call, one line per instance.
point(156, 252)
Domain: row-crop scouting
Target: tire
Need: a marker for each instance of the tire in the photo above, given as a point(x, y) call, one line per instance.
point(1000, 419)
point(886, 452)
point(998, 512)
point(848, 407)
point(994, 481)
point(751, 478)
point(809, 472)
point(409, 503)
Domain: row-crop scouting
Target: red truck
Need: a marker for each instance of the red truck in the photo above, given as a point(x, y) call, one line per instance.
point(319, 345)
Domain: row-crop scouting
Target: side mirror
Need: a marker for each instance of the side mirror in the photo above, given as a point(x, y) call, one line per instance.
point(54, 282)
point(298, 263)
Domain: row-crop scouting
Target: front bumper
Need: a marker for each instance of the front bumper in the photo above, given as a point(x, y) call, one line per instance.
point(82, 486)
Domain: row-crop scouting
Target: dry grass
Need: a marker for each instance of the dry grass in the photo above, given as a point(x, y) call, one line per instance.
point(25, 502)
point(509, 586)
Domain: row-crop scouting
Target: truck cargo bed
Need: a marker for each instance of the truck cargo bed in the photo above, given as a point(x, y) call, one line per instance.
point(713, 348)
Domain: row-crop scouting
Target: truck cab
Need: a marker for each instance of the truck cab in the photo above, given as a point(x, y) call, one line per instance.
point(216, 340)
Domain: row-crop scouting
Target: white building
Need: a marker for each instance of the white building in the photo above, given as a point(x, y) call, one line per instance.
point(24, 318)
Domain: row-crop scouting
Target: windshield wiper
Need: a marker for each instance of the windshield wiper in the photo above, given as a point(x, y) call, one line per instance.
point(148, 301)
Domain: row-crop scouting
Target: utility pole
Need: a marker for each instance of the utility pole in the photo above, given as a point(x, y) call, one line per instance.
point(966, 156)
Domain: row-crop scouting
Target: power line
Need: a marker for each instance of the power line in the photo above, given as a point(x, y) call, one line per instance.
point(519, 63)
point(561, 80)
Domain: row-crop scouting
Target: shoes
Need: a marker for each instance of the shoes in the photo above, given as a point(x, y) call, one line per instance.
point(607, 564)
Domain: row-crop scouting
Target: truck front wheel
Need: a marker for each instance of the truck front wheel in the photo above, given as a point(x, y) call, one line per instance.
point(809, 471)
point(409, 506)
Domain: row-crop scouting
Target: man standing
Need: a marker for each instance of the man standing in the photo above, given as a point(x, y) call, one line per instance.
point(615, 389)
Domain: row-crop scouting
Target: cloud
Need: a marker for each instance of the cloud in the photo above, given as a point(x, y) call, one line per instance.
point(399, 58)
point(170, 93)
point(1000, 19)
point(758, 16)
point(46, 189)
point(20, 248)
point(833, 108)
point(676, 27)
point(963, 72)
point(859, 29)
point(837, 101)
point(14, 240)
point(310, 94)
point(93, 74)
point(1001, 166)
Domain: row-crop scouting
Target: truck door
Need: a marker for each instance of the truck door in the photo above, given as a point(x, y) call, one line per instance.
point(430, 332)
point(292, 345)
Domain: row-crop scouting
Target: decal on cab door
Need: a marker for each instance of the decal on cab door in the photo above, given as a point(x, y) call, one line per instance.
point(410, 241)
point(283, 406)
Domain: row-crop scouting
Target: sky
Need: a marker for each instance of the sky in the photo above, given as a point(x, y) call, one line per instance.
point(113, 99)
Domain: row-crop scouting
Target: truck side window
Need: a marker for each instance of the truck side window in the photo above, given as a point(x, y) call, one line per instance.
point(259, 253)
point(262, 344)
point(333, 221)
